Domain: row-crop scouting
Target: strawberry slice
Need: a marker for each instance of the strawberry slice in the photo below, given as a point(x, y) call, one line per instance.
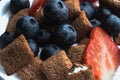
point(37, 5)
point(102, 54)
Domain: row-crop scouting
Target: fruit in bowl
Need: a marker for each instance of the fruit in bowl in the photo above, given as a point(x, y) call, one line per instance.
point(63, 24)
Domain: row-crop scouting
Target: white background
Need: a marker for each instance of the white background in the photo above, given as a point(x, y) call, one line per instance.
point(4, 18)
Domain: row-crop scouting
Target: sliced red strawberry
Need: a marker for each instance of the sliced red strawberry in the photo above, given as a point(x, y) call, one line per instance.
point(37, 5)
point(102, 54)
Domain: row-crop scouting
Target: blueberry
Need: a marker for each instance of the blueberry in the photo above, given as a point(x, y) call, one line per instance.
point(102, 13)
point(16, 5)
point(88, 8)
point(55, 11)
point(43, 37)
point(65, 35)
point(111, 24)
point(95, 22)
point(34, 46)
point(49, 50)
point(28, 26)
point(6, 38)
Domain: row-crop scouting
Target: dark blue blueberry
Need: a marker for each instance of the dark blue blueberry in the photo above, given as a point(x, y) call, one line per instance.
point(95, 22)
point(49, 50)
point(102, 13)
point(88, 8)
point(16, 5)
point(6, 38)
point(43, 37)
point(34, 46)
point(65, 35)
point(55, 11)
point(28, 26)
point(111, 24)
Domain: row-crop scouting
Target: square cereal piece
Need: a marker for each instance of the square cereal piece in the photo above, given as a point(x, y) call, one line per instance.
point(84, 41)
point(80, 72)
point(112, 5)
point(73, 8)
point(82, 25)
point(16, 55)
point(32, 71)
point(39, 16)
point(13, 20)
point(57, 66)
point(116, 38)
point(75, 53)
